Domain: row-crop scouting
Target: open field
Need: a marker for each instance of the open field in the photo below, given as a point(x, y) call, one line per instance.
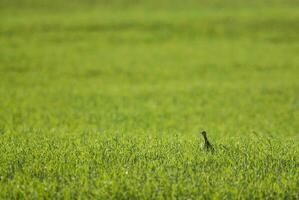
point(104, 99)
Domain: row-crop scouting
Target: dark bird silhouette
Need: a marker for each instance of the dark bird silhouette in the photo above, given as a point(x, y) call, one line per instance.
point(207, 146)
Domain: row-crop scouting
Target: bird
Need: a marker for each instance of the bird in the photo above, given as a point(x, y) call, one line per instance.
point(207, 145)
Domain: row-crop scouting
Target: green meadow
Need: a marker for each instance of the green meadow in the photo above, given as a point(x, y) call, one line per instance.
point(105, 99)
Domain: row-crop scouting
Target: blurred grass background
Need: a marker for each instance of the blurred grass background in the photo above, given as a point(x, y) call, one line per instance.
point(142, 3)
point(193, 63)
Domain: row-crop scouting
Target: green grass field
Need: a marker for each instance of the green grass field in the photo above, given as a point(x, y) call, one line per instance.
point(104, 100)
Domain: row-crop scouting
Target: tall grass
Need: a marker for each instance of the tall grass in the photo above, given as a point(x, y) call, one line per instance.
point(105, 101)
